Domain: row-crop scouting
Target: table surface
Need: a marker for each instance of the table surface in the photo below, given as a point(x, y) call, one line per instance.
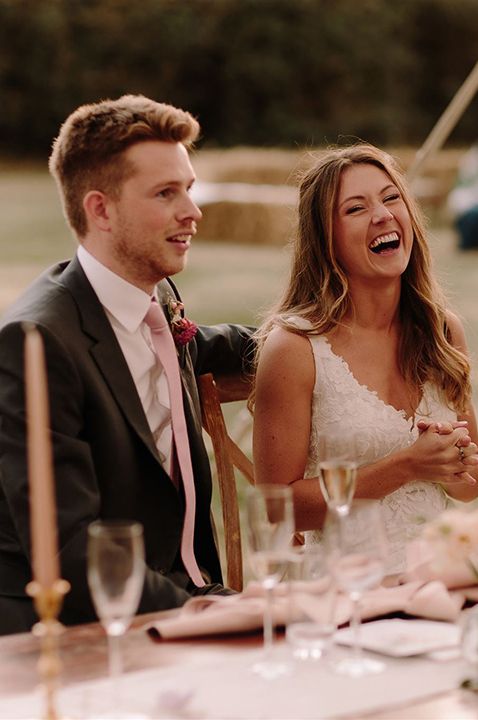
point(84, 657)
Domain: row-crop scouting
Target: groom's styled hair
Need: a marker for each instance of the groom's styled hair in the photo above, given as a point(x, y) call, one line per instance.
point(88, 153)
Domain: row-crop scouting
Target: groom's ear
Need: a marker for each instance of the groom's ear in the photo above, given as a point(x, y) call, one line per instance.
point(97, 206)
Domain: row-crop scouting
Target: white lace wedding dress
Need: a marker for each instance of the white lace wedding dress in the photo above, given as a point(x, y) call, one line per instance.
point(341, 402)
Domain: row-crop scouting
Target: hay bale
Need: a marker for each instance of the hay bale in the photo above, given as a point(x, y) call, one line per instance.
point(248, 165)
point(245, 223)
point(246, 213)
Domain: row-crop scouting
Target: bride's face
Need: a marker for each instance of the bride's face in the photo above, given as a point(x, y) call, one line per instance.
point(373, 233)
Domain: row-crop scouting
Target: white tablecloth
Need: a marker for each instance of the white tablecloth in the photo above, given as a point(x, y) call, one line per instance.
point(229, 690)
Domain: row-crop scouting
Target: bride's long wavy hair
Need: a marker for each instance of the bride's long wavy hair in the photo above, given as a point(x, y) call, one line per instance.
point(318, 286)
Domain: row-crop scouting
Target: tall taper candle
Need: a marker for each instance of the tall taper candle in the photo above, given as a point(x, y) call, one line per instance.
point(43, 523)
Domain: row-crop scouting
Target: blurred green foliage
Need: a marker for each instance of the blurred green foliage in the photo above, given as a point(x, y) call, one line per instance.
point(256, 72)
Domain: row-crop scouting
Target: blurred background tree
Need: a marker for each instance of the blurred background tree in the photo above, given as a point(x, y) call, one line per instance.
point(255, 72)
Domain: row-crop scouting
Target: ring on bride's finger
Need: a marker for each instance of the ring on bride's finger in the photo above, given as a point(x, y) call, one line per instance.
point(461, 453)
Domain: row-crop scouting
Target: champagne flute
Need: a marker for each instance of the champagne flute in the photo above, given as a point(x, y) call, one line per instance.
point(116, 570)
point(270, 525)
point(337, 469)
point(310, 636)
point(357, 551)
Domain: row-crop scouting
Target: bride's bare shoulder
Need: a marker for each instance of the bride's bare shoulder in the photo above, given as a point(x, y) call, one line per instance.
point(287, 356)
point(282, 339)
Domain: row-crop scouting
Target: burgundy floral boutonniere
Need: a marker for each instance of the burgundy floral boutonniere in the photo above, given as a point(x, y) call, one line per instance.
point(183, 330)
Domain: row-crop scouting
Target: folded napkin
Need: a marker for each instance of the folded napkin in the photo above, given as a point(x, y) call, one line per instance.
point(217, 614)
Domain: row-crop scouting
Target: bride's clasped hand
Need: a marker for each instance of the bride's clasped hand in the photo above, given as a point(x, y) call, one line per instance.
point(457, 445)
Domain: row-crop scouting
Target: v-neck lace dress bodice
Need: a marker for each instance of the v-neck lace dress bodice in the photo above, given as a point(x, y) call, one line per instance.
point(340, 402)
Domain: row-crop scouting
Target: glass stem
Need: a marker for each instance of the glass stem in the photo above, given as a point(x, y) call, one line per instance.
point(114, 656)
point(341, 515)
point(355, 625)
point(268, 624)
point(332, 613)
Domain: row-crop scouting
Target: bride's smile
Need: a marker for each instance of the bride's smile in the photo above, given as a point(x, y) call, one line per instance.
point(372, 227)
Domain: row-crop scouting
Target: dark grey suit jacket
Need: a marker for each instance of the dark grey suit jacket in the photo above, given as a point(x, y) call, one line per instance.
point(106, 462)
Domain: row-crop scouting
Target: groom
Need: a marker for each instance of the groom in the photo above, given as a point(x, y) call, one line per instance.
point(124, 177)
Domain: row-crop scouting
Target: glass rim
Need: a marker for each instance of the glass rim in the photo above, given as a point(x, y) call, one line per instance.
point(130, 527)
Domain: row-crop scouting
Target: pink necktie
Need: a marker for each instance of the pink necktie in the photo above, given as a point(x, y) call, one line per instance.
point(166, 351)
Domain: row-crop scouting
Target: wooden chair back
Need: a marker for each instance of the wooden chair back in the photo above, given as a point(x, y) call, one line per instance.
point(228, 455)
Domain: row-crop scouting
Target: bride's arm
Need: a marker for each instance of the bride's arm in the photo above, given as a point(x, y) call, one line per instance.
point(282, 417)
point(433, 458)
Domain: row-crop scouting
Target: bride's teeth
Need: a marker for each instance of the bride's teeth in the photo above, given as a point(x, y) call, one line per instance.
point(391, 237)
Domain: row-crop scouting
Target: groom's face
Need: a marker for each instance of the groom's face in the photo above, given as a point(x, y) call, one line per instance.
point(154, 218)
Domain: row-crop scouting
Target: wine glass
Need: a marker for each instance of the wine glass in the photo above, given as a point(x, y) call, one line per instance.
point(270, 526)
point(337, 469)
point(357, 551)
point(310, 634)
point(116, 571)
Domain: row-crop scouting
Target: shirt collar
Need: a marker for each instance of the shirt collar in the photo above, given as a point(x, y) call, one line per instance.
point(124, 301)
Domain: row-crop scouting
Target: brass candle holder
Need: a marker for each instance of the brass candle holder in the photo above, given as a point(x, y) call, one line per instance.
point(48, 602)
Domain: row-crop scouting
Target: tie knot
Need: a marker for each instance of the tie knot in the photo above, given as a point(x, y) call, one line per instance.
point(155, 318)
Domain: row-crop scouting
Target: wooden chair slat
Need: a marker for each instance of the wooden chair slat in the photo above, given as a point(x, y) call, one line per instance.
point(227, 455)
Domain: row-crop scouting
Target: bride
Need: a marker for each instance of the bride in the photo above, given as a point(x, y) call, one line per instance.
point(362, 341)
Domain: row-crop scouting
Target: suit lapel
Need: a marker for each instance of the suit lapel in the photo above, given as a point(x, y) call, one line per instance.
point(107, 353)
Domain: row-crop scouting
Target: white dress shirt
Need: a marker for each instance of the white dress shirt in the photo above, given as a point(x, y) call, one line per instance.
point(125, 306)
